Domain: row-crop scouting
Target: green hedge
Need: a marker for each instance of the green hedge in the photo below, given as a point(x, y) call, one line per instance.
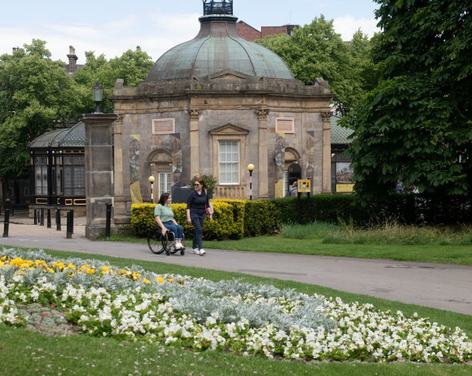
point(260, 218)
point(324, 208)
point(223, 225)
point(235, 219)
point(232, 219)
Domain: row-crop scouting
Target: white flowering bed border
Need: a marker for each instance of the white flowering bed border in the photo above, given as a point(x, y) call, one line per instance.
point(227, 315)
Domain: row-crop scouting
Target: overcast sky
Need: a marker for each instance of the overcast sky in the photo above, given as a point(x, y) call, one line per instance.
point(112, 27)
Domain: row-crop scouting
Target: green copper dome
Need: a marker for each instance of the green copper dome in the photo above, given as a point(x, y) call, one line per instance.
point(216, 49)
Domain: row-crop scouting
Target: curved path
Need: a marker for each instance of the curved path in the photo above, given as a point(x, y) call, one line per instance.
point(447, 287)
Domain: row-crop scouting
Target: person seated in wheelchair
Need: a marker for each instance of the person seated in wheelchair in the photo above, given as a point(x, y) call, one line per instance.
point(165, 219)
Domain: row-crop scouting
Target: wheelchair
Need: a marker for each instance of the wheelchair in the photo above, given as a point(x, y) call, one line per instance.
point(159, 244)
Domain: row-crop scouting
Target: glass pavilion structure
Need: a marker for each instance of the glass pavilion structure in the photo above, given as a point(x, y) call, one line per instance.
point(58, 167)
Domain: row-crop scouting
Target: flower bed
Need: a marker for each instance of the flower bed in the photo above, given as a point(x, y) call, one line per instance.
point(104, 300)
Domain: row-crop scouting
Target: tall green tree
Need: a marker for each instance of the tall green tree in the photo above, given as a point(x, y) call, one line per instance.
point(317, 51)
point(415, 127)
point(35, 94)
point(132, 66)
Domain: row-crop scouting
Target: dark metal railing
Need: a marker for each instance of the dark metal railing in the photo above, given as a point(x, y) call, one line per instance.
point(211, 7)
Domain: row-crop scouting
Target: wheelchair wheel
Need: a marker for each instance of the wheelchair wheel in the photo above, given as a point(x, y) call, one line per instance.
point(157, 243)
point(182, 252)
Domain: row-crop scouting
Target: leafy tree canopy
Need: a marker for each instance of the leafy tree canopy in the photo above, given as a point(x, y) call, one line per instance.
point(415, 127)
point(36, 95)
point(34, 92)
point(133, 67)
point(317, 51)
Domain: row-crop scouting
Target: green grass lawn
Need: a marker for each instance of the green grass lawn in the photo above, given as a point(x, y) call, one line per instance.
point(437, 253)
point(446, 254)
point(26, 353)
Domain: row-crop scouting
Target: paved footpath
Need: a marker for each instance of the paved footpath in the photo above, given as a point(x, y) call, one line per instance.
point(447, 287)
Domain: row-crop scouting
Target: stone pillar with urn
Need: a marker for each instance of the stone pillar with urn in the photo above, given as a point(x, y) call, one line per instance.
point(326, 118)
point(98, 170)
point(194, 143)
point(121, 208)
point(263, 167)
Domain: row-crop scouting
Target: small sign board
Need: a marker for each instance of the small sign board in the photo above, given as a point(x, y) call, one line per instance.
point(304, 185)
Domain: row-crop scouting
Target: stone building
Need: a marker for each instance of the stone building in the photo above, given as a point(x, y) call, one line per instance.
point(209, 106)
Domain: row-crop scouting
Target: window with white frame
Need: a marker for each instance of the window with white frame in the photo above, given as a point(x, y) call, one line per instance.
point(164, 183)
point(229, 162)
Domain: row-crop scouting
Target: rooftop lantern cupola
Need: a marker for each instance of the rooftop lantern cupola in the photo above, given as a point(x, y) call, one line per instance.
point(215, 8)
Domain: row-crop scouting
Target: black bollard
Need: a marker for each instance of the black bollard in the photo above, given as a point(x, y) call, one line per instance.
point(35, 217)
point(72, 221)
point(69, 224)
point(49, 218)
point(108, 221)
point(6, 220)
point(58, 219)
point(41, 217)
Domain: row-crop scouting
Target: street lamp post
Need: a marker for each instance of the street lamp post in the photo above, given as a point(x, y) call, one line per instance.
point(98, 97)
point(250, 168)
point(151, 180)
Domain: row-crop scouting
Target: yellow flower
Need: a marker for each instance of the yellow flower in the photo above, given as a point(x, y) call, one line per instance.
point(84, 268)
point(22, 264)
point(71, 266)
point(40, 264)
point(59, 265)
point(91, 271)
point(105, 269)
point(146, 281)
point(136, 276)
point(170, 280)
point(159, 279)
point(1, 263)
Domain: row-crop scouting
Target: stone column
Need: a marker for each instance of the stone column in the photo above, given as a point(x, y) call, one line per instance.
point(263, 167)
point(194, 144)
point(121, 211)
point(326, 116)
point(98, 170)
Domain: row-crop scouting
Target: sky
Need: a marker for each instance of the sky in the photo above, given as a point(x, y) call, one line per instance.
point(112, 27)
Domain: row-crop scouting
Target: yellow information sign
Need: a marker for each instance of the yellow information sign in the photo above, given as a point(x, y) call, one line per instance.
point(304, 186)
point(344, 188)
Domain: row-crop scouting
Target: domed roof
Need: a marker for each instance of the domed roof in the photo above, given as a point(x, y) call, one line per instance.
point(216, 49)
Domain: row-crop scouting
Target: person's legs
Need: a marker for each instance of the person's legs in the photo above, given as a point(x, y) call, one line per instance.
point(179, 236)
point(178, 233)
point(197, 221)
point(171, 227)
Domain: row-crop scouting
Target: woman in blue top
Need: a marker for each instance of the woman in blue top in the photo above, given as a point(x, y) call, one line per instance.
point(165, 219)
point(198, 205)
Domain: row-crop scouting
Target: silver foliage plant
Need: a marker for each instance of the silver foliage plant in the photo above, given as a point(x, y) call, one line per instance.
point(226, 301)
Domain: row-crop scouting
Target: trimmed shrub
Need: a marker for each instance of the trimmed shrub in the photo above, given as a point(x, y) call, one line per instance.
point(222, 227)
point(260, 218)
point(324, 208)
point(238, 209)
point(142, 219)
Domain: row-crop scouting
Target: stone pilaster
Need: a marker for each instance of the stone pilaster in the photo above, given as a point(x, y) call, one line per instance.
point(121, 210)
point(194, 143)
point(98, 170)
point(263, 168)
point(325, 117)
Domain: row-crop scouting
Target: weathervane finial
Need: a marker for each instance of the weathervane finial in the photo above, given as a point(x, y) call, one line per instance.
point(212, 7)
